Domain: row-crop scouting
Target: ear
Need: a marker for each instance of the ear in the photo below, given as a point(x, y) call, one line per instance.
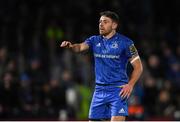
point(114, 25)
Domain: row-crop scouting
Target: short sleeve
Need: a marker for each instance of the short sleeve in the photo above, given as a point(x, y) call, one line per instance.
point(89, 41)
point(131, 50)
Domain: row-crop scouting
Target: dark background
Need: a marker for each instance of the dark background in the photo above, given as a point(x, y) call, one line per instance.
point(41, 81)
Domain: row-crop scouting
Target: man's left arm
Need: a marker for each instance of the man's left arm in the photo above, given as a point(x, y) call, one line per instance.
point(137, 71)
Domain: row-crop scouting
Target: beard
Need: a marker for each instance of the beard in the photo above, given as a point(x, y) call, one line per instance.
point(104, 32)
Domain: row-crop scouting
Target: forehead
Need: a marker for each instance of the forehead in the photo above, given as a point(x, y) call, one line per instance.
point(104, 18)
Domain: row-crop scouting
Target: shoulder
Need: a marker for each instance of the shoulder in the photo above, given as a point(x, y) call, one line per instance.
point(125, 40)
point(95, 37)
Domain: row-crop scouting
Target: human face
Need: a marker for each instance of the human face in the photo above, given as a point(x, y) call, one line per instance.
point(106, 25)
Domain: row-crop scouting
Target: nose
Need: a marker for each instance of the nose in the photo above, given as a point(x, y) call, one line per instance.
point(100, 24)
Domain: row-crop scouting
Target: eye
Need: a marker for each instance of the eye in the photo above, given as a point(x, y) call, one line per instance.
point(105, 22)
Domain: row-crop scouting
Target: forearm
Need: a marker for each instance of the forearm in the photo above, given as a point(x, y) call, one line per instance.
point(76, 48)
point(127, 88)
point(79, 47)
point(136, 73)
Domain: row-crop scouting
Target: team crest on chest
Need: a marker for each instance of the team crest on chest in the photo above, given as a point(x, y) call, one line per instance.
point(114, 45)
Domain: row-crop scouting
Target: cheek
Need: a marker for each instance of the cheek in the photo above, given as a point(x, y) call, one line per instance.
point(108, 27)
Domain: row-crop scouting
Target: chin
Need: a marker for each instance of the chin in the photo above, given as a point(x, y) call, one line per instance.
point(101, 33)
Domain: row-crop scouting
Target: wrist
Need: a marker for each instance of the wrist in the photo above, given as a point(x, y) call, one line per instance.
point(70, 46)
point(131, 83)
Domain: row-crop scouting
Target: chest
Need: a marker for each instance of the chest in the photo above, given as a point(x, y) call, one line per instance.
point(108, 47)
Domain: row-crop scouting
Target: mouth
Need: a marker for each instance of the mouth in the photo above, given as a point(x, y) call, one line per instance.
point(101, 29)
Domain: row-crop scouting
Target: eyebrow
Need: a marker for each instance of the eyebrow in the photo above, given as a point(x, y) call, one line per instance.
point(103, 20)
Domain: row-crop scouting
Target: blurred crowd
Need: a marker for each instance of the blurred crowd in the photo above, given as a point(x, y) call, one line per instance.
point(41, 81)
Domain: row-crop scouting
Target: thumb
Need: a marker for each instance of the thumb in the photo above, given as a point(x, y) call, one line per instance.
point(121, 86)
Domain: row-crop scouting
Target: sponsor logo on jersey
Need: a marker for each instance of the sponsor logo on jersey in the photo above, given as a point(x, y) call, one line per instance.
point(106, 56)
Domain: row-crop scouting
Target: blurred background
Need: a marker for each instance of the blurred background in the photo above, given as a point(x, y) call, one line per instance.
point(41, 81)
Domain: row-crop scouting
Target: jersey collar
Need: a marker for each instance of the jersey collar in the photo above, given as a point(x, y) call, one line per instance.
point(105, 39)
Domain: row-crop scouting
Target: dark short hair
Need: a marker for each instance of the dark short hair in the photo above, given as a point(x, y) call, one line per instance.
point(111, 15)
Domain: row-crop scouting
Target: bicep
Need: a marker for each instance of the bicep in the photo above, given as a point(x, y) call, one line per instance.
point(134, 58)
point(136, 62)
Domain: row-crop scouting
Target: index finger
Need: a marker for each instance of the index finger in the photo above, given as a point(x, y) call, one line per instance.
point(62, 44)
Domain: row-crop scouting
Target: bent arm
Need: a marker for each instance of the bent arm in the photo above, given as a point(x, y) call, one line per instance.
point(127, 89)
point(137, 70)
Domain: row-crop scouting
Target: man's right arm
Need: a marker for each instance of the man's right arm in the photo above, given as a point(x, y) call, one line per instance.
point(75, 47)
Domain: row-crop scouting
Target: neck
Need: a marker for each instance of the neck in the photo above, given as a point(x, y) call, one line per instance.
point(108, 36)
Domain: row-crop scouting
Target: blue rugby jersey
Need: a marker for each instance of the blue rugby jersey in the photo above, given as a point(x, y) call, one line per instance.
point(111, 58)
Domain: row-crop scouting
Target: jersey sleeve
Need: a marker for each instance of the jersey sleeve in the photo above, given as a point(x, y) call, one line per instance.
point(89, 41)
point(131, 50)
